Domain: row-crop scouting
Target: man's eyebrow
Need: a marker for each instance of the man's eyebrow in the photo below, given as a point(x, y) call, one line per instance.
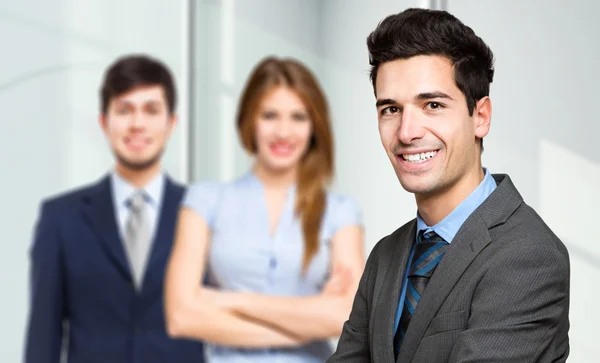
point(430, 95)
point(384, 102)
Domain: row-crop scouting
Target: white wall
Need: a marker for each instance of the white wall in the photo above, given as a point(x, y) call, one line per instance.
point(53, 56)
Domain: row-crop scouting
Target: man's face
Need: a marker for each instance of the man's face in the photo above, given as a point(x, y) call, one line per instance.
point(425, 126)
point(137, 125)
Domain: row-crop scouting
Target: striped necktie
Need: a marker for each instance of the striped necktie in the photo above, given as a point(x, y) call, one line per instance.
point(429, 251)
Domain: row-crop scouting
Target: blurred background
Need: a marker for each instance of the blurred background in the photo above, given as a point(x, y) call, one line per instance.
point(544, 129)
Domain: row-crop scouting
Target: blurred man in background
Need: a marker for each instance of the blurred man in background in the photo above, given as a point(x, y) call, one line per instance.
point(99, 253)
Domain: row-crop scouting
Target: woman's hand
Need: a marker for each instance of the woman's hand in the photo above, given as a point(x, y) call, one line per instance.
point(339, 283)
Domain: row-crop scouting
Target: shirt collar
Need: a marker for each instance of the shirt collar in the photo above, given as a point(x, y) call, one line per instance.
point(449, 226)
point(123, 190)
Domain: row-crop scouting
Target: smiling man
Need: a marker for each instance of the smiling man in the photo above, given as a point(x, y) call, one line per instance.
point(477, 276)
point(99, 253)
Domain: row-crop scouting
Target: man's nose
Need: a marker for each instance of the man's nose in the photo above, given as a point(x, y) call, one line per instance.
point(411, 127)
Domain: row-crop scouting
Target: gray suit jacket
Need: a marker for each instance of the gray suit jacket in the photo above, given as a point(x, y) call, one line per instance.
point(500, 294)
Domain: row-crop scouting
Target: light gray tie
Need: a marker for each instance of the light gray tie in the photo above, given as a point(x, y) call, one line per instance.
point(137, 237)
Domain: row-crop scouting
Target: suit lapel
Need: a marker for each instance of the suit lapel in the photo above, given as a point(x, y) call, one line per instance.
point(468, 242)
point(163, 239)
point(471, 239)
point(99, 212)
point(387, 293)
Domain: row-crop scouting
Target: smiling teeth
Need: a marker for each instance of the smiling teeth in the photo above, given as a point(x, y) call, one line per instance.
point(419, 158)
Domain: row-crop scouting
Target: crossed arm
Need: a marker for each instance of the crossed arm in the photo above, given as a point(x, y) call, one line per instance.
point(312, 317)
point(253, 320)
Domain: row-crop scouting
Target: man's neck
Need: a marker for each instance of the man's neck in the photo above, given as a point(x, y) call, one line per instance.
point(434, 208)
point(139, 178)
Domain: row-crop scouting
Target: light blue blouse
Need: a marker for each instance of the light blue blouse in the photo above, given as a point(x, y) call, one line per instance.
point(245, 257)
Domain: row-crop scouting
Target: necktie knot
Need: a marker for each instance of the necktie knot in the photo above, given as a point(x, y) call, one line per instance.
point(428, 253)
point(429, 236)
point(137, 201)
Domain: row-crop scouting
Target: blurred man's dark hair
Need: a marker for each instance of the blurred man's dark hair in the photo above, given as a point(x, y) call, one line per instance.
point(133, 71)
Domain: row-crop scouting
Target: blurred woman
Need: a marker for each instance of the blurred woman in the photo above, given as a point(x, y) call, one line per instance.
point(283, 254)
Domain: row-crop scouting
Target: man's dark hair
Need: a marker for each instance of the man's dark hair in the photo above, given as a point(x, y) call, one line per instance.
point(133, 71)
point(416, 32)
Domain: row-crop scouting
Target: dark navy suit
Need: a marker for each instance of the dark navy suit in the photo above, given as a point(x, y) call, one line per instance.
point(80, 276)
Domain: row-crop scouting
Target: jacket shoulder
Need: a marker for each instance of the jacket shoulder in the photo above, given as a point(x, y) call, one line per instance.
point(68, 199)
point(388, 244)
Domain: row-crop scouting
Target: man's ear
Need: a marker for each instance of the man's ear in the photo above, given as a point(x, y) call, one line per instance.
point(173, 120)
point(482, 117)
point(103, 121)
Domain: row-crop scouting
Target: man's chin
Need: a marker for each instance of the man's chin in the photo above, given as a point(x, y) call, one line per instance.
point(138, 164)
point(415, 185)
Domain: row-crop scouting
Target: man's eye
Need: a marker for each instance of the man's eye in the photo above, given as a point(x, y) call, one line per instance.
point(433, 105)
point(389, 110)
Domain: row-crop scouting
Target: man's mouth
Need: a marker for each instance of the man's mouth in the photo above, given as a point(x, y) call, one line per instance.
point(136, 142)
point(419, 157)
